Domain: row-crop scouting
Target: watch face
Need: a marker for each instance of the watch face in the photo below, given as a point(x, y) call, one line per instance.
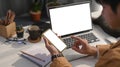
point(58, 55)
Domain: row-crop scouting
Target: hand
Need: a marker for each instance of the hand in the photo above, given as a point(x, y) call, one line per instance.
point(50, 47)
point(85, 49)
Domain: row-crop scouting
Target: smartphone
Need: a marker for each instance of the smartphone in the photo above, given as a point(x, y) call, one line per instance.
point(55, 40)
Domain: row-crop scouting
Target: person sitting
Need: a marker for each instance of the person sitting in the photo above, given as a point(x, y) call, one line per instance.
point(109, 55)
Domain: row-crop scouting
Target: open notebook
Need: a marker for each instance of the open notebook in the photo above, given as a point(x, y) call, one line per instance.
point(38, 54)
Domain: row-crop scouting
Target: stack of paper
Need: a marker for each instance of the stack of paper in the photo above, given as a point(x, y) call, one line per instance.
point(37, 54)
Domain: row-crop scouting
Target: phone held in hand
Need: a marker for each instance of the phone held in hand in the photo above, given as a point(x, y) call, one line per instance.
point(55, 40)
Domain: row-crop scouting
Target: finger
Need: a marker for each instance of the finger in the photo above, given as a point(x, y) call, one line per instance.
point(76, 38)
point(81, 41)
point(76, 44)
point(58, 35)
point(77, 50)
point(75, 47)
point(46, 41)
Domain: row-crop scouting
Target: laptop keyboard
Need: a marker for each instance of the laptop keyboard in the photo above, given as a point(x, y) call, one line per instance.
point(90, 37)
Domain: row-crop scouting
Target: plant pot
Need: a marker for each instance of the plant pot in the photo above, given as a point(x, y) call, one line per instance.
point(20, 33)
point(36, 16)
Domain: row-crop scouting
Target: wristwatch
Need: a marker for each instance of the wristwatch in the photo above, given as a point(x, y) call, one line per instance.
point(57, 55)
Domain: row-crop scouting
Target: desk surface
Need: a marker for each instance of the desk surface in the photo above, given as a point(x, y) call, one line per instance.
point(10, 54)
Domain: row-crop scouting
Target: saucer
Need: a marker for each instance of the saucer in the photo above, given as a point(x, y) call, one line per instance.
point(34, 41)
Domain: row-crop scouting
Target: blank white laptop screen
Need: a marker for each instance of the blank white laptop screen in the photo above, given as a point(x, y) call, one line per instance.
point(70, 19)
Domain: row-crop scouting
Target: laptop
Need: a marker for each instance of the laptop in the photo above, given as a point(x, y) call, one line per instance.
point(73, 19)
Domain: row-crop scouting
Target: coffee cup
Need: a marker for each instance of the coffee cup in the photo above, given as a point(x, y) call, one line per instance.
point(34, 32)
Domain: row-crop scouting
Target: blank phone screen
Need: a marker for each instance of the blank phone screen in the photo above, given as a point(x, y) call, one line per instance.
point(55, 40)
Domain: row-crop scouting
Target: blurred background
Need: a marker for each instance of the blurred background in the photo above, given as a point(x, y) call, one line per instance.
point(23, 6)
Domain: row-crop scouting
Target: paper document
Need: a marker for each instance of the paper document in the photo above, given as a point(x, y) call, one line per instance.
point(37, 54)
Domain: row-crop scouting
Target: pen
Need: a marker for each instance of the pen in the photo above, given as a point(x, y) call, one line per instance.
point(33, 56)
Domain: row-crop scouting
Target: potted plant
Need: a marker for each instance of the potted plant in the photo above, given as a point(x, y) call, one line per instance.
point(36, 10)
point(53, 3)
point(19, 31)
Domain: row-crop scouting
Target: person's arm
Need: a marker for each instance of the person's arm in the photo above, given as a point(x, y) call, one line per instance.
point(85, 47)
point(109, 55)
point(102, 48)
point(58, 60)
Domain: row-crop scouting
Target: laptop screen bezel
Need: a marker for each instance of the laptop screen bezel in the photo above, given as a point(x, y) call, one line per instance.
point(59, 6)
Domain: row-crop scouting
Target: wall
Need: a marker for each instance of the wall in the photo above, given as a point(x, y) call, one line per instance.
point(23, 6)
point(19, 6)
point(94, 5)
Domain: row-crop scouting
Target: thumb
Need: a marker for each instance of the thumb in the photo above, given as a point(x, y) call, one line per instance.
point(46, 41)
point(77, 49)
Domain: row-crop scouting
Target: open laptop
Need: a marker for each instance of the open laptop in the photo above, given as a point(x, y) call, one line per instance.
point(73, 19)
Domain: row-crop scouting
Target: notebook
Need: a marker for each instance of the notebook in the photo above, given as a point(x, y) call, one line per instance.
point(37, 54)
point(72, 19)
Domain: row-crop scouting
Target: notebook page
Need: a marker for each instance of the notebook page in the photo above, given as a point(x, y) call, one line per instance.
point(38, 54)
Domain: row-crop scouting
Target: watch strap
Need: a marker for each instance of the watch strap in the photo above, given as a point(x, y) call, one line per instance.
point(57, 55)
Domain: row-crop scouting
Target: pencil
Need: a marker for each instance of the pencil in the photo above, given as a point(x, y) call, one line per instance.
point(33, 56)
